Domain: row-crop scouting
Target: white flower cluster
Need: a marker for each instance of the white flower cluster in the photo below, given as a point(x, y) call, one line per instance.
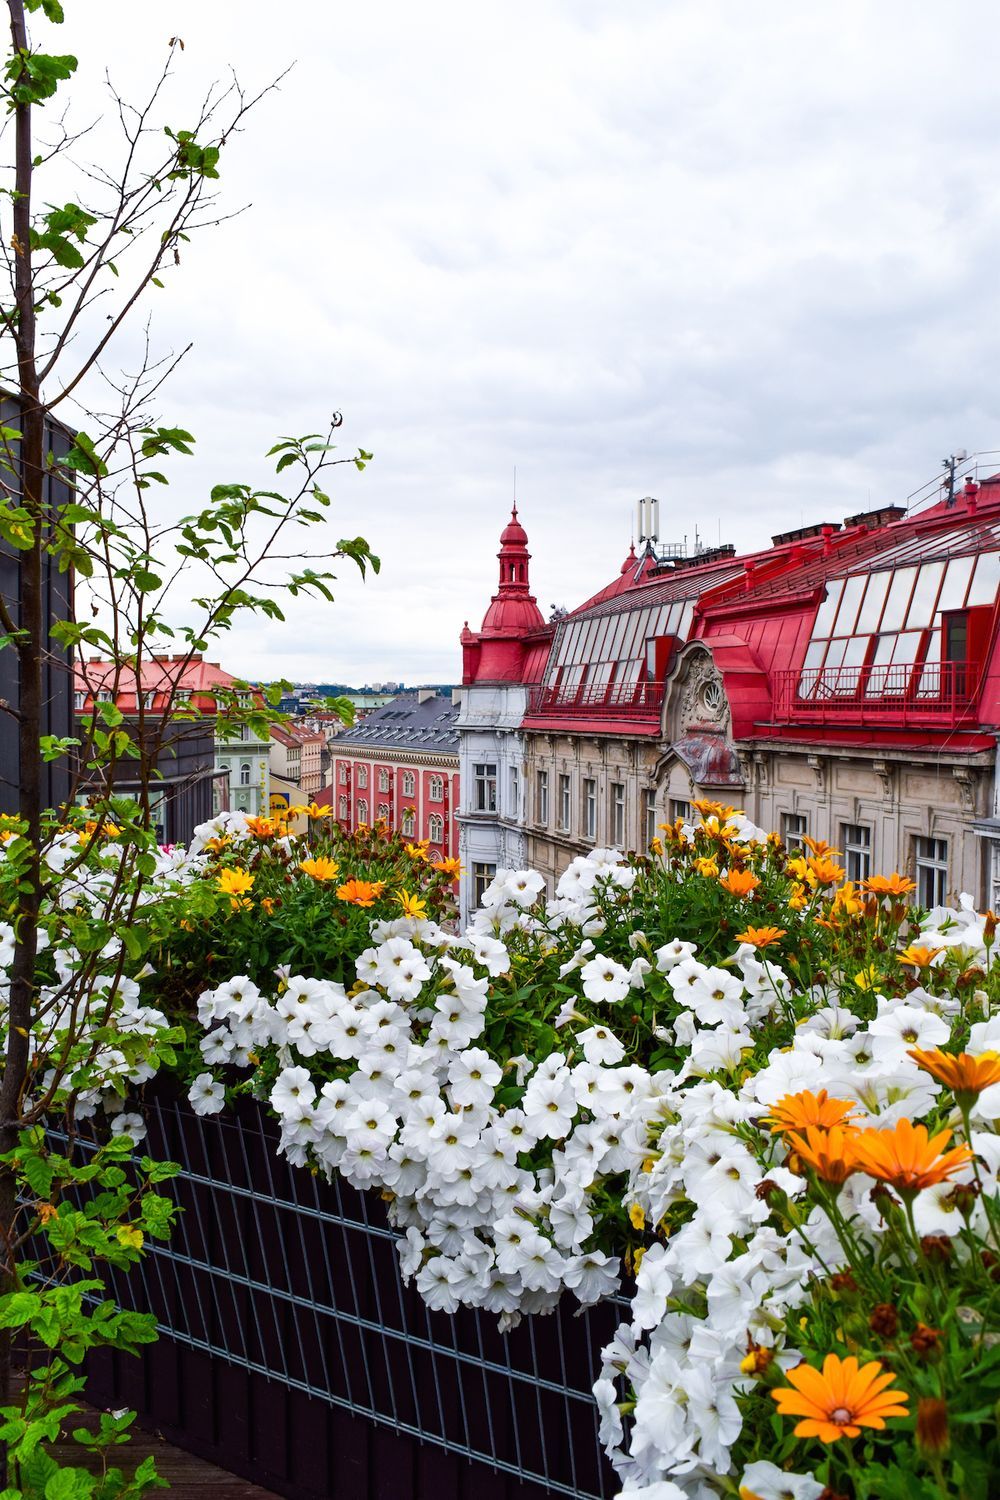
point(102, 1066)
point(395, 1086)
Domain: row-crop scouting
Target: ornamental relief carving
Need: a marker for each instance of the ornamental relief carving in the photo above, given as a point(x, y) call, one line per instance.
point(697, 698)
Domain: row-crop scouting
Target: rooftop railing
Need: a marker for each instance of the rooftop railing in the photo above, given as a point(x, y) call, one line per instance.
point(641, 700)
point(903, 693)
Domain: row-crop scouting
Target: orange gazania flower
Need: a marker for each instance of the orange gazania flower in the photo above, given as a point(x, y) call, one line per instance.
point(761, 937)
point(452, 867)
point(268, 903)
point(965, 1074)
point(840, 1399)
point(360, 892)
point(916, 957)
point(889, 885)
point(907, 1158)
point(830, 1153)
point(739, 882)
point(799, 1111)
point(320, 869)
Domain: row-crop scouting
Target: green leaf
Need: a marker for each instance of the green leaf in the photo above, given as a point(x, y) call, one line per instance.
point(70, 1484)
point(18, 1308)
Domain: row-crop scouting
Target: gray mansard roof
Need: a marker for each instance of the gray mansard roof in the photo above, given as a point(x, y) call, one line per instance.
point(406, 724)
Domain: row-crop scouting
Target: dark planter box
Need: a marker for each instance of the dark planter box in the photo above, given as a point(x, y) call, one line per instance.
point(292, 1353)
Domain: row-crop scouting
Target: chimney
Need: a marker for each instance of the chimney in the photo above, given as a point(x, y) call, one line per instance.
point(970, 492)
point(424, 695)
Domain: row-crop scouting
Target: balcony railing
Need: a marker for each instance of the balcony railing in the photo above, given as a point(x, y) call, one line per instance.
point(941, 693)
point(614, 701)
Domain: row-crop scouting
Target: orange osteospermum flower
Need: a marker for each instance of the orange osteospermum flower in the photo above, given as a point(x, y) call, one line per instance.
point(907, 1158)
point(840, 1399)
point(360, 892)
point(761, 937)
point(708, 808)
point(830, 1153)
point(889, 885)
point(452, 867)
point(819, 847)
point(823, 871)
point(320, 869)
point(918, 958)
point(261, 828)
point(965, 1074)
point(739, 882)
point(799, 1111)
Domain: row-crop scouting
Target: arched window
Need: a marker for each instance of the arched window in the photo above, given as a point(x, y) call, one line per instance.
point(437, 789)
point(383, 811)
point(409, 783)
point(363, 810)
point(383, 779)
point(435, 828)
point(344, 807)
point(362, 776)
point(409, 823)
point(245, 770)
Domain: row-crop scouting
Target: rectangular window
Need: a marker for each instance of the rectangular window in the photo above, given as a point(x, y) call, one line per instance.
point(931, 862)
point(618, 814)
point(486, 787)
point(856, 841)
point(680, 809)
point(482, 877)
point(79, 699)
point(794, 827)
point(565, 810)
point(542, 797)
point(513, 810)
point(649, 814)
point(589, 807)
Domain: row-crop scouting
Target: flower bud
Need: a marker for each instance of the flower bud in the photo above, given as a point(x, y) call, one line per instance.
point(936, 1247)
point(932, 1425)
point(884, 1320)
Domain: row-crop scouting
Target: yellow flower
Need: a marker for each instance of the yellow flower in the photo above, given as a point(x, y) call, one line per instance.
point(452, 867)
point(637, 1216)
point(412, 906)
point(310, 810)
point(234, 882)
point(707, 867)
point(320, 869)
point(866, 979)
point(656, 846)
point(797, 899)
point(739, 882)
point(417, 851)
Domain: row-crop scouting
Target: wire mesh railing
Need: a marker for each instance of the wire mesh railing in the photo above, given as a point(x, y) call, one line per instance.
point(289, 1278)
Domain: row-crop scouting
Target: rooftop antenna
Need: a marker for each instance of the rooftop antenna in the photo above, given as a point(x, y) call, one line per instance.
point(950, 465)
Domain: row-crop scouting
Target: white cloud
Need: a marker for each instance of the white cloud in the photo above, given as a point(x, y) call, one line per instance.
point(740, 257)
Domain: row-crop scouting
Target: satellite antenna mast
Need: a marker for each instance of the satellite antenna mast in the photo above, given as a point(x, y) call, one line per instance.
point(950, 464)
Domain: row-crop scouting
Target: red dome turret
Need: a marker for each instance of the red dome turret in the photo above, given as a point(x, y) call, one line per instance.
point(495, 653)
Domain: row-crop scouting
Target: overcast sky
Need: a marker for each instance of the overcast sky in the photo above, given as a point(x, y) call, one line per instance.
point(743, 258)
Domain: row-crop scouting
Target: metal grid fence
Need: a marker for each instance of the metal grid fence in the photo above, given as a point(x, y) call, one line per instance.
point(295, 1281)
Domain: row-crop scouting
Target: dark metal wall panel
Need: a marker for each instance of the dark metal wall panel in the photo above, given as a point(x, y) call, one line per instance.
point(57, 667)
point(292, 1353)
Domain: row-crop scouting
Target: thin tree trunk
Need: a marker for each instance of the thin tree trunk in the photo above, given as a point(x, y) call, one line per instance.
point(30, 645)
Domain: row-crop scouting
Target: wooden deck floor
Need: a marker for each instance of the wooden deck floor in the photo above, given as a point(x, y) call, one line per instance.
point(189, 1477)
